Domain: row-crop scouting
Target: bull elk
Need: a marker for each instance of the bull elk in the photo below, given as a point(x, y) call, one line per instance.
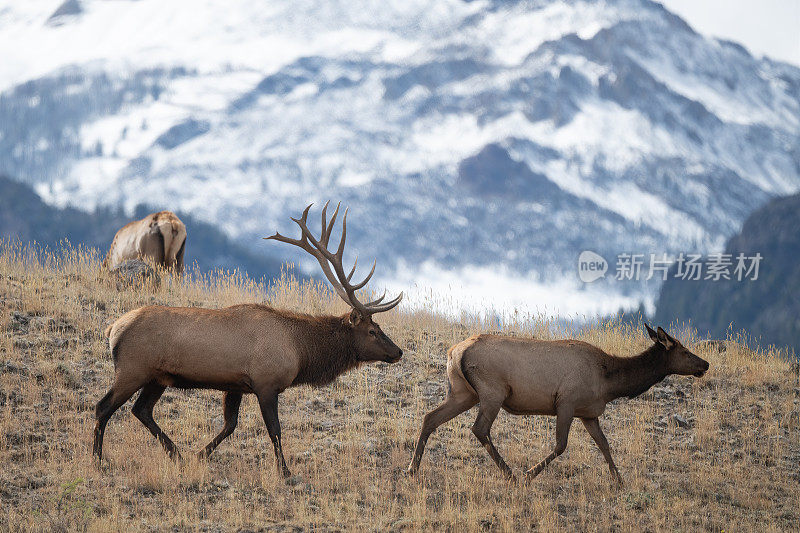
point(564, 378)
point(160, 237)
point(244, 349)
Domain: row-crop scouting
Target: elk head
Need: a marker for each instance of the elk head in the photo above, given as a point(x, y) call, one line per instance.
point(369, 341)
point(680, 360)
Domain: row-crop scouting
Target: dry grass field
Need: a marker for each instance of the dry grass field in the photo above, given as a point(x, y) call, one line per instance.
point(717, 453)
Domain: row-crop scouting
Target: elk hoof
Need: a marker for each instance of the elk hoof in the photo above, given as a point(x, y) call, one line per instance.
point(103, 466)
point(532, 473)
point(293, 481)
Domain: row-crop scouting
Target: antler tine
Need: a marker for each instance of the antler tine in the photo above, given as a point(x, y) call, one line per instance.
point(340, 250)
point(329, 229)
point(324, 222)
point(305, 215)
point(313, 246)
point(297, 242)
point(375, 302)
point(302, 222)
point(353, 270)
point(385, 307)
point(281, 238)
point(371, 272)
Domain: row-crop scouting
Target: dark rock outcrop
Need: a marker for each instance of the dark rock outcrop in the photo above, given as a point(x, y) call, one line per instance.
point(768, 308)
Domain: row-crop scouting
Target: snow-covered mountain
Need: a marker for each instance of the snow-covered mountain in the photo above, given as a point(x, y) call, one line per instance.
point(481, 144)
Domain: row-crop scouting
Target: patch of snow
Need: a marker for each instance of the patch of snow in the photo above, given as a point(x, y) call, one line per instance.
point(496, 290)
point(515, 32)
point(729, 105)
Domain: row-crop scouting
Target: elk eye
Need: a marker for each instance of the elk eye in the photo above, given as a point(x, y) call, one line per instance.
point(372, 332)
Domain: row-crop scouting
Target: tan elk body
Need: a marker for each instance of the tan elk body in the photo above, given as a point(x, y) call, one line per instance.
point(158, 237)
point(243, 349)
point(563, 378)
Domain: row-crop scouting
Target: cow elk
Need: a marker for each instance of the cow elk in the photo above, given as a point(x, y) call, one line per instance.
point(244, 349)
point(563, 378)
point(158, 237)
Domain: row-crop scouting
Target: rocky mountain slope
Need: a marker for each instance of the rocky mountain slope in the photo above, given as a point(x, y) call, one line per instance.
point(502, 137)
point(768, 308)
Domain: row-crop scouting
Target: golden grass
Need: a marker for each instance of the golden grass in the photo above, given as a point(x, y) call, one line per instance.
point(734, 468)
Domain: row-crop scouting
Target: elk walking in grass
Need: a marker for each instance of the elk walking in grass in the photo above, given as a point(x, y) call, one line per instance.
point(244, 349)
point(159, 237)
point(563, 378)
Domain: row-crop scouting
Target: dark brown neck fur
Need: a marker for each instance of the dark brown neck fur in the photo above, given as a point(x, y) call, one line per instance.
point(326, 349)
point(631, 376)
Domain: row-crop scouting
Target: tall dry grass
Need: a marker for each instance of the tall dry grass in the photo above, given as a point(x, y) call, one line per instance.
point(735, 467)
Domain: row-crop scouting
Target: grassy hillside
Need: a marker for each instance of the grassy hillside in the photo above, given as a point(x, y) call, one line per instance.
point(730, 460)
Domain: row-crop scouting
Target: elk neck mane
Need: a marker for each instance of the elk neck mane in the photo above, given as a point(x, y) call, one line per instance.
point(631, 376)
point(325, 346)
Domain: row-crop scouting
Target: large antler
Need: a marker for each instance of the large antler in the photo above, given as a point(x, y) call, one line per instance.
point(340, 281)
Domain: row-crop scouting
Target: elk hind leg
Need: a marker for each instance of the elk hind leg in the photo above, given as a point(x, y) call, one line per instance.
point(143, 410)
point(454, 405)
point(119, 393)
point(231, 403)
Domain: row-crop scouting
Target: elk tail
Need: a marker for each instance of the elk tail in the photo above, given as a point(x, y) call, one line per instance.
point(174, 234)
point(455, 362)
point(113, 342)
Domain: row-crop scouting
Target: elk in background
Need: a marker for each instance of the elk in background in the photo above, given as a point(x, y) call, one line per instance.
point(244, 349)
point(159, 237)
point(564, 378)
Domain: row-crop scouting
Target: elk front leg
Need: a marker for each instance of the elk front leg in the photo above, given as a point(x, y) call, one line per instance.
point(563, 423)
point(269, 410)
point(593, 427)
point(481, 428)
point(231, 401)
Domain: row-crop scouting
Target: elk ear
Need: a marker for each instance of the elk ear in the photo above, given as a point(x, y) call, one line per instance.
point(651, 332)
point(665, 339)
point(354, 318)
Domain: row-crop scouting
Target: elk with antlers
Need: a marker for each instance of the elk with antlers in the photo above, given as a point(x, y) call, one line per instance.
point(244, 349)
